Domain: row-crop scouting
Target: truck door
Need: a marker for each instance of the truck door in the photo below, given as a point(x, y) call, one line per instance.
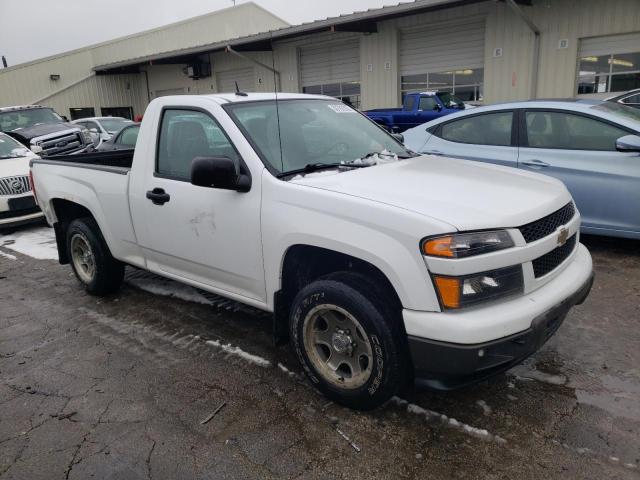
point(205, 236)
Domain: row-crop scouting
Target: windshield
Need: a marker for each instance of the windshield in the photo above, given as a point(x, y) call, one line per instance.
point(15, 120)
point(312, 132)
point(621, 111)
point(9, 148)
point(114, 125)
point(449, 100)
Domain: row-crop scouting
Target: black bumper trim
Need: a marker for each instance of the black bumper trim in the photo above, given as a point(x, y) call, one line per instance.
point(447, 366)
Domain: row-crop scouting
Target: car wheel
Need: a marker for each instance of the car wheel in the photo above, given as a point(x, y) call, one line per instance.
point(349, 348)
point(91, 260)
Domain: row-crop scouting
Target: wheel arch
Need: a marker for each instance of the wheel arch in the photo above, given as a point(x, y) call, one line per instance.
point(65, 212)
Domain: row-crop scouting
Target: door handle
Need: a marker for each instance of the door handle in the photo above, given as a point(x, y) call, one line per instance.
point(158, 196)
point(535, 163)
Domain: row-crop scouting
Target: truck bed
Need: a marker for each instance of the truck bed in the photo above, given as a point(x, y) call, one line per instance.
point(116, 158)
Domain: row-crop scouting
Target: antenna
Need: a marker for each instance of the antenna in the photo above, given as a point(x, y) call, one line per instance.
point(238, 92)
point(275, 90)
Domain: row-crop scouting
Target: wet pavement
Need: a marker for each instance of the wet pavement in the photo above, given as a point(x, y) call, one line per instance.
point(120, 388)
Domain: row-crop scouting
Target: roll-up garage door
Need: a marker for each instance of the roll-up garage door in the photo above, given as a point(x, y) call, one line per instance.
point(442, 47)
point(612, 44)
point(244, 76)
point(333, 63)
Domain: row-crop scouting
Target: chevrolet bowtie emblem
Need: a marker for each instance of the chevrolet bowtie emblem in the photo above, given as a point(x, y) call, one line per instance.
point(563, 236)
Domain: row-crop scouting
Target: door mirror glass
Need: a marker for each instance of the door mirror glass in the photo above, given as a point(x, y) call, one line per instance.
point(218, 172)
point(628, 143)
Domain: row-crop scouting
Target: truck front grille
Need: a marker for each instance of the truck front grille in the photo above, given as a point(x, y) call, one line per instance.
point(552, 260)
point(66, 143)
point(547, 225)
point(14, 185)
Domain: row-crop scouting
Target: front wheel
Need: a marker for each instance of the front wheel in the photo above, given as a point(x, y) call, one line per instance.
point(347, 347)
point(91, 260)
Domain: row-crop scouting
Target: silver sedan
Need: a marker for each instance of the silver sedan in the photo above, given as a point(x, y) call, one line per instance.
point(592, 146)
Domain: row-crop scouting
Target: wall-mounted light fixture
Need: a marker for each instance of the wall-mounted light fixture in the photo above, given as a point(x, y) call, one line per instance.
point(54, 76)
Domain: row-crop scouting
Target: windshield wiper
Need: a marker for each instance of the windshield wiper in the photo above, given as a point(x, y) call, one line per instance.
point(314, 167)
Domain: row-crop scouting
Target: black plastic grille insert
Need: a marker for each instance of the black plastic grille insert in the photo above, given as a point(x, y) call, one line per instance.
point(547, 225)
point(550, 261)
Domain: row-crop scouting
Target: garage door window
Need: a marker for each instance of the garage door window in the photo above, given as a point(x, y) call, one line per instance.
point(185, 135)
point(348, 92)
point(489, 129)
point(609, 73)
point(565, 131)
point(465, 83)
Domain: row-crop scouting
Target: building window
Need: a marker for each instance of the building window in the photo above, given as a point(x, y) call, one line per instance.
point(466, 83)
point(617, 72)
point(348, 92)
point(81, 112)
point(124, 112)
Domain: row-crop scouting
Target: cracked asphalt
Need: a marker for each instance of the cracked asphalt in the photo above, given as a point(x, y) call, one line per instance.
point(119, 388)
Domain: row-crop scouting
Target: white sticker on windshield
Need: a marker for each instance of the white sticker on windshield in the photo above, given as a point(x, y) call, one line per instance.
point(340, 108)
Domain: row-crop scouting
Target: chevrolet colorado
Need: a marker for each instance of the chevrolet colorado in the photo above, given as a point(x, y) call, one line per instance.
point(380, 266)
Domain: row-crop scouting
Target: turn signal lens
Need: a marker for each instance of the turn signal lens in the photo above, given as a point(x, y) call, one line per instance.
point(460, 292)
point(449, 290)
point(459, 245)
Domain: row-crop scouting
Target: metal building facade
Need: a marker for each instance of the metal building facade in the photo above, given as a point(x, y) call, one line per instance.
point(375, 55)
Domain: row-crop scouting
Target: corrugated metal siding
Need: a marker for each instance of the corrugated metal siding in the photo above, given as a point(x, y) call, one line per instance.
point(606, 45)
point(103, 91)
point(244, 77)
point(442, 46)
point(330, 63)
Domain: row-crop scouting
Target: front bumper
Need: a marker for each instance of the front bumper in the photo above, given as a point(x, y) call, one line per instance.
point(445, 365)
point(18, 210)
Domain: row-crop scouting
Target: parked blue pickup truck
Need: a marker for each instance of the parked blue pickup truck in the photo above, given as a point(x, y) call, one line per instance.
point(418, 108)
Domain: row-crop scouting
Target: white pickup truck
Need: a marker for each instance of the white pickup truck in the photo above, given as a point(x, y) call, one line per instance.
point(379, 265)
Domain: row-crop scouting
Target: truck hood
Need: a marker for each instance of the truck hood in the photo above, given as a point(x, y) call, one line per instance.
point(467, 195)
point(26, 134)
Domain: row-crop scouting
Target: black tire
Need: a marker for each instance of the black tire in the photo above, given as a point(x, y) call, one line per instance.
point(108, 272)
point(389, 366)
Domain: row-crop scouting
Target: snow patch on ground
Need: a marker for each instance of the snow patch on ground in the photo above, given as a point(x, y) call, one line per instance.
point(528, 371)
point(168, 288)
point(7, 255)
point(39, 243)
point(237, 351)
point(286, 370)
point(435, 417)
point(486, 409)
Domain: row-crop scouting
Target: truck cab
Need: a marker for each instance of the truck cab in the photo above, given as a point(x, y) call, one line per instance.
point(417, 108)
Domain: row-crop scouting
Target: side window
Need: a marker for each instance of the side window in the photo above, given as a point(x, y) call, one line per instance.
point(427, 103)
point(632, 100)
point(570, 132)
point(128, 136)
point(487, 129)
point(185, 135)
point(409, 103)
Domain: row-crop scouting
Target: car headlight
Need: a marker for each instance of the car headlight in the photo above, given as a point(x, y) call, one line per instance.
point(464, 291)
point(459, 245)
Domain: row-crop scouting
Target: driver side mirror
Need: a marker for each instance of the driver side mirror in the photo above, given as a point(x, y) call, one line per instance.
point(628, 143)
point(438, 107)
point(218, 172)
point(93, 130)
point(399, 137)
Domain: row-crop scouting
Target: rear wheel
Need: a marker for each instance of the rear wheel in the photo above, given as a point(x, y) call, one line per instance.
point(91, 260)
point(349, 347)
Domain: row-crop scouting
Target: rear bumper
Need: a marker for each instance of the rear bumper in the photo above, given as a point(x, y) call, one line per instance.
point(446, 365)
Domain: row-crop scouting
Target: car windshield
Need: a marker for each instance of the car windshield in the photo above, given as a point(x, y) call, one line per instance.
point(449, 100)
point(9, 148)
point(17, 119)
point(621, 111)
point(305, 132)
point(114, 125)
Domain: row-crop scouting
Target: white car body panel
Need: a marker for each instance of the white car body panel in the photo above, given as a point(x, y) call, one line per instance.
point(234, 243)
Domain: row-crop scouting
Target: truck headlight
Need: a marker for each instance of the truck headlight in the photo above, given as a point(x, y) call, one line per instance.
point(460, 292)
point(459, 245)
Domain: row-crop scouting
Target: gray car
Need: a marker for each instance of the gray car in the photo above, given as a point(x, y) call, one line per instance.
point(592, 146)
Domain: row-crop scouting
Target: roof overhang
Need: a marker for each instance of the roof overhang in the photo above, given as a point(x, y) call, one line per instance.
point(356, 22)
